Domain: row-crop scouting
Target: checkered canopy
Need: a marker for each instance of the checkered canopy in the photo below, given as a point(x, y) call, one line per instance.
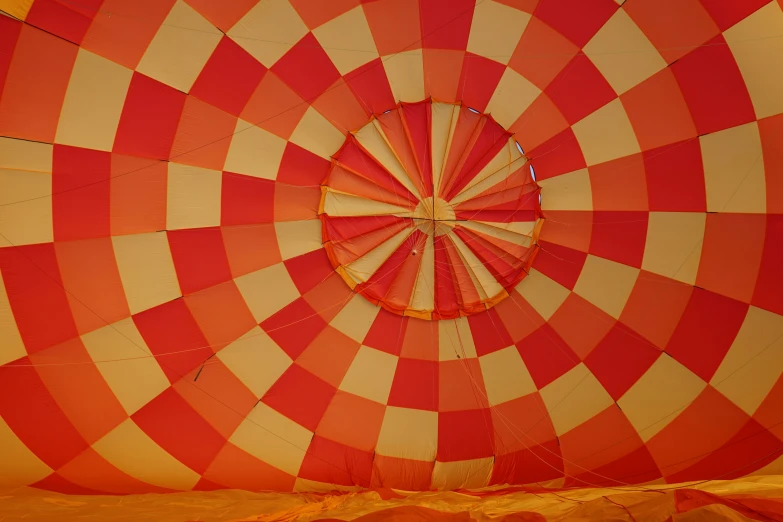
point(300, 245)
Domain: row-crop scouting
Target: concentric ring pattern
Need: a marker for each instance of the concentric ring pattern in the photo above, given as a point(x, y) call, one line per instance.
point(430, 211)
point(171, 317)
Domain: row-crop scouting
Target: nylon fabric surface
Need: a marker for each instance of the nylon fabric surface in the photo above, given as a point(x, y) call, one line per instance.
point(299, 246)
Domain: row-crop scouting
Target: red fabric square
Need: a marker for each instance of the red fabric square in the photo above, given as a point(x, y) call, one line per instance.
point(535, 463)
point(246, 200)
point(309, 270)
point(620, 359)
point(749, 450)
point(489, 333)
point(370, 85)
point(580, 89)
point(577, 20)
point(619, 236)
point(546, 355)
point(713, 87)
point(294, 327)
point(706, 331)
point(149, 118)
point(199, 258)
point(675, 178)
point(728, 12)
point(445, 24)
point(708, 423)
point(465, 435)
point(172, 423)
point(560, 263)
point(478, 81)
point(769, 284)
point(173, 337)
point(9, 34)
point(415, 385)
point(80, 188)
point(67, 20)
point(38, 299)
point(560, 154)
point(301, 167)
point(307, 69)
point(300, 396)
point(229, 77)
point(56, 482)
point(387, 332)
point(637, 467)
point(31, 412)
point(334, 463)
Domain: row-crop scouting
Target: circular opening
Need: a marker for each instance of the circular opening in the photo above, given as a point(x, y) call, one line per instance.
point(424, 219)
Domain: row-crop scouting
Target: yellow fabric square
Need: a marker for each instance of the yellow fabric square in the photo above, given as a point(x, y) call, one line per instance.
point(512, 96)
point(11, 345)
point(347, 40)
point(180, 48)
point(496, 30)
point(462, 474)
point(574, 398)
point(544, 294)
point(126, 364)
point(754, 362)
point(256, 360)
point(146, 270)
point(267, 291)
point(606, 134)
point(273, 438)
point(25, 207)
point(758, 49)
point(370, 374)
point(405, 72)
point(93, 102)
point(570, 191)
point(316, 134)
point(269, 30)
point(659, 396)
point(409, 434)
point(673, 246)
point(18, 465)
point(505, 376)
point(193, 197)
point(623, 54)
point(296, 238)
point(606, 284)
point(254, 151)
point(131, 451)
point(356, 318)
point(734, 175)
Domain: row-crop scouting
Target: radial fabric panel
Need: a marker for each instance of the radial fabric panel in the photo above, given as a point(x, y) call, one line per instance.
point(298, 245)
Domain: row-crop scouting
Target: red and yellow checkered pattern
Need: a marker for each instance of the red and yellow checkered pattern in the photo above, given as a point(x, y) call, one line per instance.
point(170, 319)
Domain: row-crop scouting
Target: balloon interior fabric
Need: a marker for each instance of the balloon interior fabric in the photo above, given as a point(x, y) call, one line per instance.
point(396, 249)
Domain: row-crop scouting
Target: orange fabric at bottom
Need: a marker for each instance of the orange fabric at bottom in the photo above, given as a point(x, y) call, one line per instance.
point(753, 498)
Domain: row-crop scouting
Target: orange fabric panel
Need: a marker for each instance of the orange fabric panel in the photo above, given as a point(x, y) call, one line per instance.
point(124, 37)
point(250, 247)
point(35, 85)
point(137, 195)
point(92, 280)
point(732, 269)
point(80, 385)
